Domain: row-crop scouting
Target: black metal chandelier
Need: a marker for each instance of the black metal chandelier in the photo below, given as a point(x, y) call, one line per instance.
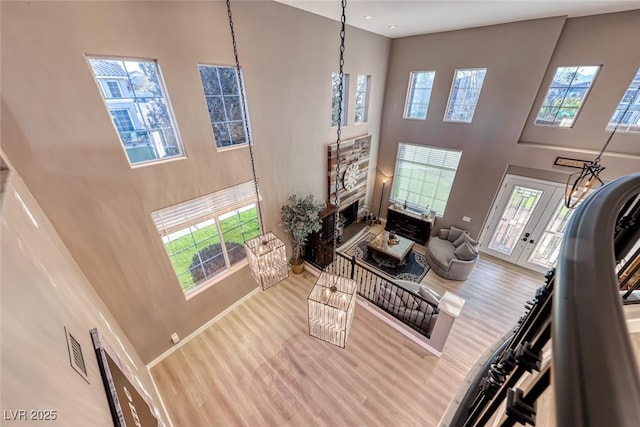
point(331, 303)
point(266, 253)
point(579, 184)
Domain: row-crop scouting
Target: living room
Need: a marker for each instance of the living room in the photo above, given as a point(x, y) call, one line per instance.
point(66, 150)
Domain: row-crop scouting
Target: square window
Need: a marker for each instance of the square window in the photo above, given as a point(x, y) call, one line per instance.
point(222, 93)
point(424, 176)
point(565, 97)
point(136, 100)
point(464, 95)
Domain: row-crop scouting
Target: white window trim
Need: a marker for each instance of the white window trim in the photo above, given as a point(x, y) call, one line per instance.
point(245, 113)
point(128, 114)
point(625, 127)
point(410, 94)
point(453, 82)
point(108, 88)
point(438, 214)
point(165, 93)
point(367, 91)
point(345, 100)
point(579, 109)
point(247, 193)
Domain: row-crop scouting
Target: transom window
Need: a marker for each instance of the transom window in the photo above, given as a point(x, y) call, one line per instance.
point(204, 237)
point(362, 98)
point(135, 86)
point(222, 93)
point(424, 176)
point(566, 95)
point(627, 114)
point(464, 95)
point(419, 94)
point(335, 96)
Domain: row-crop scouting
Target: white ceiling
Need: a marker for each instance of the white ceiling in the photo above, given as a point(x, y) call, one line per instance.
point(430, 16)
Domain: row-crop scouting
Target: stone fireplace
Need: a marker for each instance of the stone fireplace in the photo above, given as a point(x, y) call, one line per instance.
point(354, 173)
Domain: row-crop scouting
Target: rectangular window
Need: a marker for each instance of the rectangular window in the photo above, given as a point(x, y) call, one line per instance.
point(335, 94)
point(566, 95)
point(122, 120)
point(113, 89)
point(419, 94)
point(222, 93)
point(204, 237)
point(153, 134)
point(464, 95)
point(627, 114)
point(362, 98)
point(424, 176)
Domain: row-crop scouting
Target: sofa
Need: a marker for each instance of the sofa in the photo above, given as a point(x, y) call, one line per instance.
point(412, 303)
point(452, 254)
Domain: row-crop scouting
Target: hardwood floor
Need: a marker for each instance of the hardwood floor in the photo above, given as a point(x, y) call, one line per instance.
point(258, 366)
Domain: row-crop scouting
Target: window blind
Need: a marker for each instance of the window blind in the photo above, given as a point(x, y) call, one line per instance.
point(424, 176)
point(179, 216)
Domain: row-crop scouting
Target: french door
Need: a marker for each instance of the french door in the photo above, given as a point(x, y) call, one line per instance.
point(527, 222)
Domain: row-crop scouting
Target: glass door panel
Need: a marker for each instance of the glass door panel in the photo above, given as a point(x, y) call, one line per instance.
point(547, 249)
point(515, 217)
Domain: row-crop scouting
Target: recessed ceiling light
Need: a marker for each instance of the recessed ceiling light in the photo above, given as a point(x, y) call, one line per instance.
point(368, 17)
point(393, 27)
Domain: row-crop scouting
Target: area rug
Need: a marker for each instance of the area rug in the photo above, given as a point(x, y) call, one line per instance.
point(413, 270)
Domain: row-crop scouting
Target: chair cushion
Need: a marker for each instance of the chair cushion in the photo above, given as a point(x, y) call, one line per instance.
point(454, 233)
point(465, 252)
point(441, 252)
point(443, 233)
point(464, 237)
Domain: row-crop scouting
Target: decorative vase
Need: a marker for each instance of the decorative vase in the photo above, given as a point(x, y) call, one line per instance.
point(297, 268)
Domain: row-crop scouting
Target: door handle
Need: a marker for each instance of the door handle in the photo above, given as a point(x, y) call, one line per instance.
point(531, 241)
point(526, 236)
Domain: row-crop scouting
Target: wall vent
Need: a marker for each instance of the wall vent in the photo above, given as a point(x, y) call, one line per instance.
point(76, 358)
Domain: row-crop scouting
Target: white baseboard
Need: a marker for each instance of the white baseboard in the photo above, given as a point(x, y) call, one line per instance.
point(195, 333)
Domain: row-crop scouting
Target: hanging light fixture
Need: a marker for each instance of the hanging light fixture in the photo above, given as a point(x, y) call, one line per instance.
point(266, 253)
point(579, 184)
point(332, 300)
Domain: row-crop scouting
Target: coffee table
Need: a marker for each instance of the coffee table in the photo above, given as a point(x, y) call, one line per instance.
point(397, 253)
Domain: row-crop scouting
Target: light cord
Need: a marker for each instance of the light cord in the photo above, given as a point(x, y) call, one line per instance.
point(247, 131)
point(336, 213)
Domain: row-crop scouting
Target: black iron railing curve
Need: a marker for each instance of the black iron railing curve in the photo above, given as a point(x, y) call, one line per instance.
point(594, 370)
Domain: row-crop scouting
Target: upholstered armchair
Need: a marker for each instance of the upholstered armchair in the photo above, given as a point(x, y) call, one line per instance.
point(452, 254)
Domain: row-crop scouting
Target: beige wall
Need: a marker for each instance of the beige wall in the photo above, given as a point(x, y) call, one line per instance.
point(44, 291)
point(521, 59)
point(58, 135)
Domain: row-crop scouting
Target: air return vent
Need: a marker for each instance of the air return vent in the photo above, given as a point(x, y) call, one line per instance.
point(76, 358)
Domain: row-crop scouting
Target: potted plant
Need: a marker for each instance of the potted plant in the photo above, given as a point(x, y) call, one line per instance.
point(300, 217)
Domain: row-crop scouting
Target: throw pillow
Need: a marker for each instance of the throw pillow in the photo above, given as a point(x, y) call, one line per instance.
point(454, 233)
point(429, 295)
point(389, 299)
point(443, 234)
point(465, 252)
point(464, 238)
point(409, 301)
